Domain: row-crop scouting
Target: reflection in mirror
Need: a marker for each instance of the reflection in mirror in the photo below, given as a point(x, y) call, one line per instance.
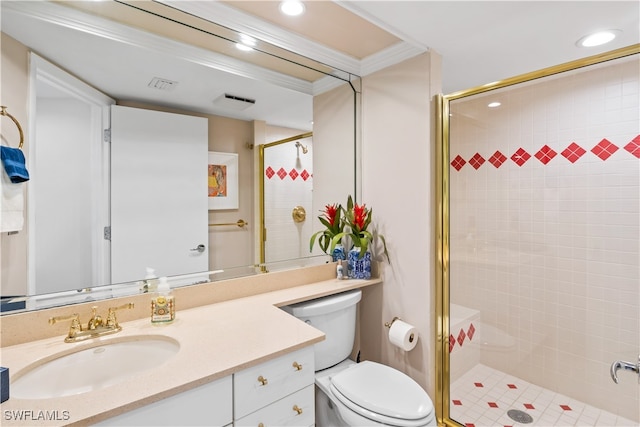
point(77, 59)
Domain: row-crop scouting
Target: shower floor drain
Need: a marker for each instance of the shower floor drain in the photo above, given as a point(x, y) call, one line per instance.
point(519, 416)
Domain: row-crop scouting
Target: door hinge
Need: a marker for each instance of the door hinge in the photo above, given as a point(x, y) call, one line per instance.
point(107, 233)
point(106, 135)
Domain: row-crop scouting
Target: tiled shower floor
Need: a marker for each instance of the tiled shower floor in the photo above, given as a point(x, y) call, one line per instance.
point(482, 397)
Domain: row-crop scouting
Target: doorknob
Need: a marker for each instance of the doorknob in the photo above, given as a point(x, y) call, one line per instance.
point(200, 248)
point(627, 366)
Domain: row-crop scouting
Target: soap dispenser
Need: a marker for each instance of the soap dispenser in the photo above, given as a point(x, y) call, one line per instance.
point(163, 308)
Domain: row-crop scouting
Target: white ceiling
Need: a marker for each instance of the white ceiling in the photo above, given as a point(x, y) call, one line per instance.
point(479, 41)
point(486, 41)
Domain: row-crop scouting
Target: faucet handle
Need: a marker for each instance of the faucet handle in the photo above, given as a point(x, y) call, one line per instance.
point(73, 329)
point(112, 322)
point(95, 320)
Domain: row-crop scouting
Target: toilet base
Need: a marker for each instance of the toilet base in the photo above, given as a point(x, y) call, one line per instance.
point(327, 415)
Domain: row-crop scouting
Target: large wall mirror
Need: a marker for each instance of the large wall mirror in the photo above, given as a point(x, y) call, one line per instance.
point(153, 57)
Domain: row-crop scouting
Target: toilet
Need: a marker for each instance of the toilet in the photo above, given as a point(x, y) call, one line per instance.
point(357, 394)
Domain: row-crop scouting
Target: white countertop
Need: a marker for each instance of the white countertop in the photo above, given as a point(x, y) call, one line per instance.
point(215, 341)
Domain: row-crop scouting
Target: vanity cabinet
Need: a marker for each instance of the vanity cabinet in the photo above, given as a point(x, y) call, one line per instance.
point(279, 392)
point(209, 404)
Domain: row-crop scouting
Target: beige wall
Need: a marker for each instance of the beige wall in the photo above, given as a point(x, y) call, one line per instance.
point(14, 70)
point(398, 159)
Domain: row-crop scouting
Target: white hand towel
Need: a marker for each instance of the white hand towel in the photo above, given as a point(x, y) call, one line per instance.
point(11, 204)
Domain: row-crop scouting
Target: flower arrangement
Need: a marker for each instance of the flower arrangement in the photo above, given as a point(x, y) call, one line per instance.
point(332, 219)
point(357, 218)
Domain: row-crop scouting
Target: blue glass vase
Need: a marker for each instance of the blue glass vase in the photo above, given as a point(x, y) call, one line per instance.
point(338, 253)
point(359, 268)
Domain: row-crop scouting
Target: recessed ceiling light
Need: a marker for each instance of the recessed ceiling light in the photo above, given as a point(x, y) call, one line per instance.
point(243, 47)
point(597, 39)
point(494, 104)
point(246, 43)
point(292, 7)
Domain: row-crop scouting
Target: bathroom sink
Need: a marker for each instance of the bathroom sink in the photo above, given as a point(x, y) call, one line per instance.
point(92, 368)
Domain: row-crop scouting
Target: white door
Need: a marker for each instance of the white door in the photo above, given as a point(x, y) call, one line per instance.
point(158, 193)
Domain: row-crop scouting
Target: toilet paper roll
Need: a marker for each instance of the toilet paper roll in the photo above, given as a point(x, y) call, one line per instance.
point(403, 335)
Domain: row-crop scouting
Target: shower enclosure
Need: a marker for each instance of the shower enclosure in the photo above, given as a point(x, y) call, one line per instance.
point(539, 244)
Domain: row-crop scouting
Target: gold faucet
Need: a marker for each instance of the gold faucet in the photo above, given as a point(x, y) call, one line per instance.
point(95, 326)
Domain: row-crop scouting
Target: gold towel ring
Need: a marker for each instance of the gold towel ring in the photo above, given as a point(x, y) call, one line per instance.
point(3, 111)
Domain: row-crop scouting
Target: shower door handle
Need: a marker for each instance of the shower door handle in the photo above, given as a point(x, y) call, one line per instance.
point(627, 366)
point(200, 248)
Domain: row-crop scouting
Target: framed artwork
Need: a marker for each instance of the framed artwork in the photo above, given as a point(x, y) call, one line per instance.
point(223, 180)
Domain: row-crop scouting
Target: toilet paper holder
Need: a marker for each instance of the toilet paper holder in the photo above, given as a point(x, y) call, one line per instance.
point(388, 324)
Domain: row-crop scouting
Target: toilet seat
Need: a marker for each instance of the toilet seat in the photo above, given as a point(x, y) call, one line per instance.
point(382, 394)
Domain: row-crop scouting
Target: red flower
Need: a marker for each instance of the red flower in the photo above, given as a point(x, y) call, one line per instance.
point(360, 213)
point(330, 213)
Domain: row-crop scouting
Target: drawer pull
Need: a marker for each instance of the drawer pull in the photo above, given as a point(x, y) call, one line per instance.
point(297, 366)
point(262, 380)
point(297, 409)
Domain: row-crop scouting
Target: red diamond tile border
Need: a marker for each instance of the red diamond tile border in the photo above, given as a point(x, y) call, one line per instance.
point(497, 159)
point(461, 337)
point(293, 174)
point(520, 157)
point(529, 406)
point(478, 384)
point(469, 425)
point(282, 173)
point(471, 332)
point(545, 154)
point(633, 146)
point(565, 407)
point(457, 402)
point(512, 386)
point(604, 149)
point(458, 163)
point(573, 152)
point(269, 172)
point(492, 404)
point(452, 342)
point(305, 175)
point(476, 161)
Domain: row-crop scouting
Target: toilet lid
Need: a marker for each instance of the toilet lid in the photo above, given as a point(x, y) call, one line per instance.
point(383, 390)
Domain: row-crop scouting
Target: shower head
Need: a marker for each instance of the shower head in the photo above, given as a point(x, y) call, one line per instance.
point(304, 148)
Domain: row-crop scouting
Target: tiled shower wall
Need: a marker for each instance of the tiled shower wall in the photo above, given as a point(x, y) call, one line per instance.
point(288, 182)
point(545, 228)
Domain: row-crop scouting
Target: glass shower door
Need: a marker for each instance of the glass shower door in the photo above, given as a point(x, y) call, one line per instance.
point(544, 250)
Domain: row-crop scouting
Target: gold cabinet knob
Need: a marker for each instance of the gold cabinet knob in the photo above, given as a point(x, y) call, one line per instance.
point(262, 380)
point(297, 366)
point(297, 409)
point(261, 425)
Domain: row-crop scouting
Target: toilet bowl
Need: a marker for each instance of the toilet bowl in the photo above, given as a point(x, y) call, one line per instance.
point(357, 394)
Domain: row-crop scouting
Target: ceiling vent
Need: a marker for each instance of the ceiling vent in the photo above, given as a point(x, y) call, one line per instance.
point(234, 102)
point(162, 84)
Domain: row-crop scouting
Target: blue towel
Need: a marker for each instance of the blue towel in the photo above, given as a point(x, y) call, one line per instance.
point(14, 164)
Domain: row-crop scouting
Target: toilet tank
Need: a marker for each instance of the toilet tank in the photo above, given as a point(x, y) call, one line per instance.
point(334, 315)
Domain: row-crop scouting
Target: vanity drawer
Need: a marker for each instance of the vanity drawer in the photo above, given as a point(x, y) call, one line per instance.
point(256, 387)
point(297, 409)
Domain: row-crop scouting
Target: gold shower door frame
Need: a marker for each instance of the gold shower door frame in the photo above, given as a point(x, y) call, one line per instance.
point(442, 398)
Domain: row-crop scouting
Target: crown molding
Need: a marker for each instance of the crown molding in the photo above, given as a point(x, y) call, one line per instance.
point(245, 23)
point(390, 56)
point(95, 25)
